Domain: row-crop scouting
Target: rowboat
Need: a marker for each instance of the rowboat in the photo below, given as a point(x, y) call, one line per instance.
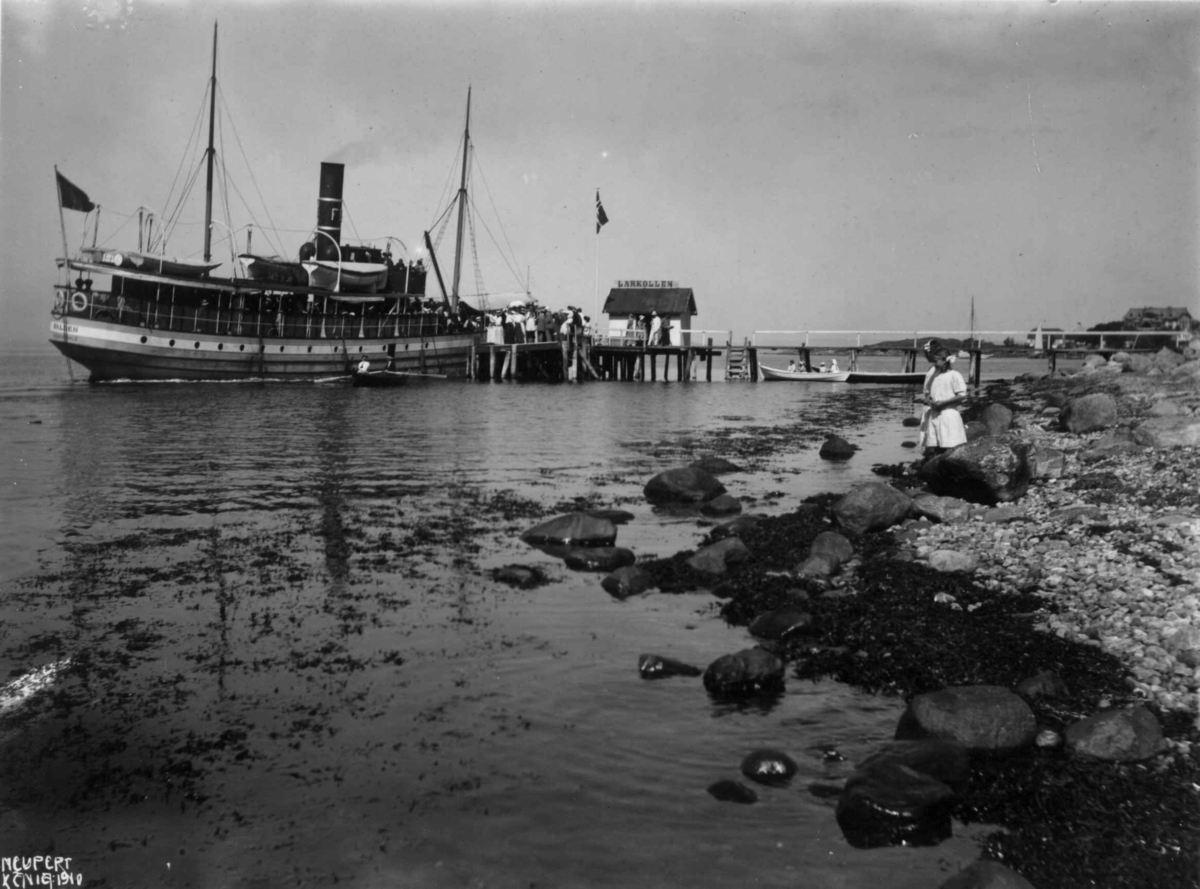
point(856, 376)
point(352, 277)
point(272, 270)
point(150, 262)
point(771, 374)
point(380, 378)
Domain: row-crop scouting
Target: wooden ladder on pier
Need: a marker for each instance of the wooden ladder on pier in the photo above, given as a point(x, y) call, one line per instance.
point(737, 363)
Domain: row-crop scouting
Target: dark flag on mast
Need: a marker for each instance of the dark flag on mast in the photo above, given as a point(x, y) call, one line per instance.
point(601, 216)
point(71, 196)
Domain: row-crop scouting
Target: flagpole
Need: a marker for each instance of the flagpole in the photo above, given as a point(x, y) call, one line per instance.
point(597, 315)
point(62, 222)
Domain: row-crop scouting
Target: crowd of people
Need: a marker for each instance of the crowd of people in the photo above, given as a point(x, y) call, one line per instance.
point(531, 323)
point(808, 368)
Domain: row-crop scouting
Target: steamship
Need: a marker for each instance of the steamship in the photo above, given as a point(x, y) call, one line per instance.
point(141, 315)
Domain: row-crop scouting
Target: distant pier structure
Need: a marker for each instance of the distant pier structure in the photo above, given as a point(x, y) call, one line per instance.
point(660, 311)
point(648, 319)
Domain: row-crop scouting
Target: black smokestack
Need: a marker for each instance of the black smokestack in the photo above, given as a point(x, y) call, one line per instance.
point(329, 211)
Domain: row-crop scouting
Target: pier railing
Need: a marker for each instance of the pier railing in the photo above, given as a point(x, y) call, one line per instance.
point(1056, 339)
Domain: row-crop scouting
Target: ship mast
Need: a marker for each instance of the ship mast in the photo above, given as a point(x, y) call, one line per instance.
point(212, 110)
point(462, 209)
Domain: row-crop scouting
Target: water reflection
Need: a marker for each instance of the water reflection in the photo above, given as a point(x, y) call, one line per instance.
point(280, 598)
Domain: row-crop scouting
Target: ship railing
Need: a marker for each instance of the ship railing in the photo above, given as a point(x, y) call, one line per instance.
point(234, 320)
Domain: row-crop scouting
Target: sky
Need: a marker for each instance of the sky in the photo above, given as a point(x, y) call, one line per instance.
point(801, 166)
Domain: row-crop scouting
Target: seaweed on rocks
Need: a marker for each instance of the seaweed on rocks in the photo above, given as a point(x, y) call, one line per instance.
point(1060, 820)
point(1078, 823)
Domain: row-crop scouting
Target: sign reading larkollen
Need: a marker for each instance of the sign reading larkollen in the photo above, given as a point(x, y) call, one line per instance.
point(642, 283)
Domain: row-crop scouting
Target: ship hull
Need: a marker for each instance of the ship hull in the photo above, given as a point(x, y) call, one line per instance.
point(111, 351)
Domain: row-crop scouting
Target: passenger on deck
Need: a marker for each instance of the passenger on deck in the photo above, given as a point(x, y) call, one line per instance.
point(792, 366)
point(833, 368)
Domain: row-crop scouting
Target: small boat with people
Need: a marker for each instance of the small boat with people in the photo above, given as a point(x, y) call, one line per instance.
point(384, 378)
point(773, 374)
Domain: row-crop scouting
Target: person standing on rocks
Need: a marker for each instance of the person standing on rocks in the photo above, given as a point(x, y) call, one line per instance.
point(941, 424)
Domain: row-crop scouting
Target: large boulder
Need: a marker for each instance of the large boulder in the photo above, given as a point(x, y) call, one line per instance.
point(833, 547)
point(715, 465)
point(573, 529)
point(688, 484)
point(1113, 443)
point(991, 470)
point(1046, 462)
point(892, 804)
point(871, 507)
point(981, 717)
point(1138, 363)
point(653, 666)
point(721, 505)
point(1167, 432)
point(629, 580)
point(598, 558)
point(947, 761)
point(1116, 735)
point(836, 448)
point(946, 510)
point(743, 524)
point(716, 558)
point(816, 567)
point(1167, 359)
point(1089, 413)
point(997, 418)
point(779, 624)
point(730, 791)
point(1188, 371)
point(746, 673)
point(1046, 684)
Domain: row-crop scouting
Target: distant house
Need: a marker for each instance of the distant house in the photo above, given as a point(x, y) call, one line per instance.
point(1158, 319)
point(631, 302)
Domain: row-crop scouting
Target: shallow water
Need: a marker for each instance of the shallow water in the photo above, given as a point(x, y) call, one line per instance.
point(290, 661)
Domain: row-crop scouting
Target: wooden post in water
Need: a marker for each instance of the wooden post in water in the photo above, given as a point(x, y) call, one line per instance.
point(708, 362)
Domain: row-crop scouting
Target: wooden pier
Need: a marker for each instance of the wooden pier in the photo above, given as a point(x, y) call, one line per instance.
point(566, 360)
point(623, 359)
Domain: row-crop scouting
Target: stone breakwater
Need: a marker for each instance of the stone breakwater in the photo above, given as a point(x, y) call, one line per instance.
point(1111, 538)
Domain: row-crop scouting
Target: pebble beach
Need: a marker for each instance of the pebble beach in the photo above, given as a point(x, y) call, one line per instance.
point(1114, 545)
point(1082, 570)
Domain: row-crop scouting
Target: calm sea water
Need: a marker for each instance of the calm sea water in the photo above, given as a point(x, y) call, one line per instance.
point(291, 664)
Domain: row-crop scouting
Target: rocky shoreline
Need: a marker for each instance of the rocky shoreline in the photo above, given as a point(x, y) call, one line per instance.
point(1045, 576)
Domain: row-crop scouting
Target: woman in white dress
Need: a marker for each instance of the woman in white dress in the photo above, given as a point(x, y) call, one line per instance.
point(941, 425)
